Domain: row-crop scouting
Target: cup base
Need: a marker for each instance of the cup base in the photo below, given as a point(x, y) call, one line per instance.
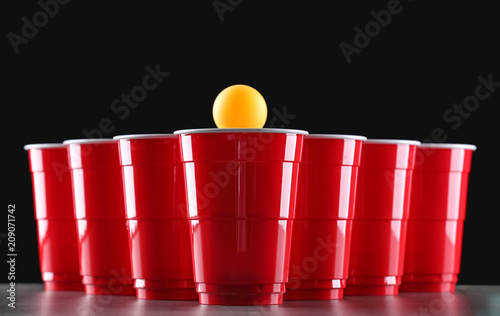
point(429, 282)
point(153, 289)
point(62, 281)
point(241, 299)
point(108, 285)
point(315, 290)
point(167, 294)
point(314, 294)
point(427, 287)
point(366, 290)
point(63, 286)
point(250, 294)
point(125, 290)
point(373, 285)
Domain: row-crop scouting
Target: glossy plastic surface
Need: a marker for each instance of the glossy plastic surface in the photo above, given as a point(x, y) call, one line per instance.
point(435, 225)
point(157, 217)
point(100, 213)
point(57, 234)
point(319, 258)
point(241, 190)
point(381, 213)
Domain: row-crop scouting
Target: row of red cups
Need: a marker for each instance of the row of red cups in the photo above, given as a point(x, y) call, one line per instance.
point(222, 215)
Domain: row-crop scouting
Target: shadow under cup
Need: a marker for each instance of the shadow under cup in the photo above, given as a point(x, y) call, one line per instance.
point(155, 197)
point(57, 233)
point(241, 187)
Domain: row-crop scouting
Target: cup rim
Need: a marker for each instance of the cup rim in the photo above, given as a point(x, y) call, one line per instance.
point(238, 130)
point(392, 141)
point(88, 141)
point(337, 136)
point(143, 136)
point(43, 146)
point(449, 146)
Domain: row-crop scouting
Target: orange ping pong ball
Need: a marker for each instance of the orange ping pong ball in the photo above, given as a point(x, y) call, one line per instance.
point(239, 106)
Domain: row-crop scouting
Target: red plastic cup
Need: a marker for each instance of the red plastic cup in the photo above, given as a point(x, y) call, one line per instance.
point(319, 258)
point(380, 217)
point(100, 214)
point(241, 186)
point(157, 217)
point(437, 213)
point(53, 200)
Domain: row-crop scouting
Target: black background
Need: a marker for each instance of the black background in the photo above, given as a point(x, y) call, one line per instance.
point(425, 60)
